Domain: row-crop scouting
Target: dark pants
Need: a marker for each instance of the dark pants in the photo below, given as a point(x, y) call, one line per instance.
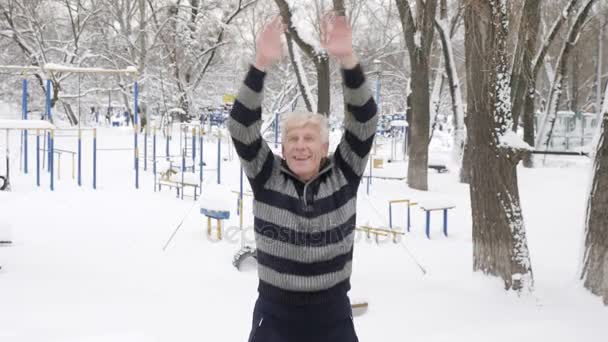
point(329, 322)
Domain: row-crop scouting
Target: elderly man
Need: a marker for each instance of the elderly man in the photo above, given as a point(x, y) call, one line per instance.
point(305, 202)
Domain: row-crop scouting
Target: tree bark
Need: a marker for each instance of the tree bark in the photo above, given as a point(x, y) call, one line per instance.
point(522, 62)
point(595, 261)
point(499, 238)
point(418, 37)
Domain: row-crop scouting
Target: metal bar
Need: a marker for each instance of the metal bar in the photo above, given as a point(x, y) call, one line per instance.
point(24, 116)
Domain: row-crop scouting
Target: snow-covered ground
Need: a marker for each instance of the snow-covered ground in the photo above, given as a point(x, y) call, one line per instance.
point(88, 265)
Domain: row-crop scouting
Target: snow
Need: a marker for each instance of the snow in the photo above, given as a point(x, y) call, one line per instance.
point(25, 124)
point(69, 68)
point(417, 39)
point(510, 139)
point(87, 265)
point(399, 123)
point(217, 197)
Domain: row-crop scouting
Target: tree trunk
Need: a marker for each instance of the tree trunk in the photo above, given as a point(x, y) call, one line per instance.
point(522, 63)
point(595, 260)
point(296, 63)
point(323, 80)
point(417, 171)
point(499, 239)
point(454, 86)
point(528, 122)
point(418, 36)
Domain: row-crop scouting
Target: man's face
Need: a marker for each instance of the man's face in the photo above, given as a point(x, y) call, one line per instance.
point(303, 149)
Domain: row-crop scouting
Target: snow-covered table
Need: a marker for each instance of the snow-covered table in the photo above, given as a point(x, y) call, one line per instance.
point(436, 205)
point(215, 204)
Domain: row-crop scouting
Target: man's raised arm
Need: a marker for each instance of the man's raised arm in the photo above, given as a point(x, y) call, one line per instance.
point(361, 117)
point(245, 119)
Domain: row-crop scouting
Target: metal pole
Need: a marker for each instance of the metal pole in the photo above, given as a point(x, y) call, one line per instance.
point(95, 158)
point(51, 166)
point(201, 162)
point(219, 154)
point(24, 116)
point(241, 214)
point(167, 138)
point(276, 129)
point(154, 156)
point(193, 148)
point(135, 124)
point(183, 169)
point(38, 157)
point(49, 117)
point(146, 150)
point(79, 157)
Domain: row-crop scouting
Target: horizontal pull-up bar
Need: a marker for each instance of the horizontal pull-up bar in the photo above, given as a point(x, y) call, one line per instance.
point(562, 153)
point(51, 67)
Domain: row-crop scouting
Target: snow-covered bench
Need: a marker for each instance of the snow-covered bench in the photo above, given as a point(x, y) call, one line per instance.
point(171, 177)
point(436, 205)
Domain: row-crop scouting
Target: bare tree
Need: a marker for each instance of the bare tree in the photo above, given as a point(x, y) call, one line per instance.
point(418, 35)
point(499, 237)
point(42, 39)
point(318, 57)
point(561, 71)
point(445, 35)
point(595, 260)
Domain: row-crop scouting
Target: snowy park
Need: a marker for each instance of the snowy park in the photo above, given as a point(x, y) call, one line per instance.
point(126, 213)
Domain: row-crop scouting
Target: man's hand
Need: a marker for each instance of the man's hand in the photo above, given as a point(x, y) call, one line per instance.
point(337, 39)
point(268, 45)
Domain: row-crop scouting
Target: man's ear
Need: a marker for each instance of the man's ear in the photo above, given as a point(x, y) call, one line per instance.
point(283, 149)
point(325, 149)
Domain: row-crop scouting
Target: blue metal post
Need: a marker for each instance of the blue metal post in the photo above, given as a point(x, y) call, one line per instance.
point(201, 162)
point(219, 155)
point(154, 156)
point(428, 224)
point(135, 128)
point(24, 117)
point(49, 118)
point(193, 148)
point(95, 158)
point(408, 217)
point(445, 222)
point(146, 150)
point(38, 157)
point(276, 129)
point(51, 159)
point(183, 170)
point(79, 157)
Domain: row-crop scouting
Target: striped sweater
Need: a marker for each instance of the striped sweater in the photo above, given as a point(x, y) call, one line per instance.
point(304, 232)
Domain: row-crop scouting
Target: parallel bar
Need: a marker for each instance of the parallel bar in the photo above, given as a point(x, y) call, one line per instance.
point(79, 158)
point(135, 131)
point(95, 159)
point(38, 157)
point(24, 116)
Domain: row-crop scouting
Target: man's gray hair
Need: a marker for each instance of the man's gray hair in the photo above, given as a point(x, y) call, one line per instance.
point(300, 119)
